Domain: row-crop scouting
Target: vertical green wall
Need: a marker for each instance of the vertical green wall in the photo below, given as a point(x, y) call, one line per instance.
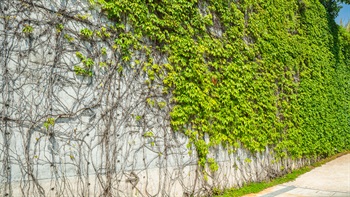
point(251, 73)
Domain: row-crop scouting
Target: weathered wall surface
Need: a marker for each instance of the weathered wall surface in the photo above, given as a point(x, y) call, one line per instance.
point(110, 135)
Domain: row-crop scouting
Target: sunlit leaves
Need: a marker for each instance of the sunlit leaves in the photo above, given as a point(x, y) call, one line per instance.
point(251, 74)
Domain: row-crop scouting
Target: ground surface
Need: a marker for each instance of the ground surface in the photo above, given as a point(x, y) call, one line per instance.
point(330, 179)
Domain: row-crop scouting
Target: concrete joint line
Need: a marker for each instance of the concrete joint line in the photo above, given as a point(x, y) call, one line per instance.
point(278, 192)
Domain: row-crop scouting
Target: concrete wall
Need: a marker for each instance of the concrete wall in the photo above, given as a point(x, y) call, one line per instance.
point(97, 146)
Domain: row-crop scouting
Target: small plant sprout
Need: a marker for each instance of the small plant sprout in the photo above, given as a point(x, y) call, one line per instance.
point(150, 102)
point(88, 62)
point(83, 16)
point(27, 29)
point(104, 51)
point(138, 118)
point(103, 64)
point(79, 55)
point(82, 71)
point(148, 134)
point(59, 27)
point(213, 165)
point(86, 33)
point(68, 38)
point(247, 160)
point(161, 105)
point(49, 122)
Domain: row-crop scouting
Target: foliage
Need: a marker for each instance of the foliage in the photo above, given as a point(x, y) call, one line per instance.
point(148, 134)
point(86, 69)
point(251, 73)
point(49, 122)
point(257, 187)
point(86, 33)
point(333, 6)
point(68, 38)
point(82, 71)
point(345, 26)
point(27, 29)
point(59, 27)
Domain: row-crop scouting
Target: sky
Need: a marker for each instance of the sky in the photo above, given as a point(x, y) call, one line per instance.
point(344, 14)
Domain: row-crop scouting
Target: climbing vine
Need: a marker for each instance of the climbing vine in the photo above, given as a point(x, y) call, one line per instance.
point(254, 74)
point(167, 98)
point(102, 98)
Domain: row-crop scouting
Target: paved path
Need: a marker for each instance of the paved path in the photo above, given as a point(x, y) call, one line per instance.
point(330, 179)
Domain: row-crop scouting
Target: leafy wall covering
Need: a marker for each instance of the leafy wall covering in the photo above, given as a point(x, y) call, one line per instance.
point(249, 73)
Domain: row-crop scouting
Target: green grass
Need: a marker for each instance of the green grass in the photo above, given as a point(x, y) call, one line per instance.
point(257, 187)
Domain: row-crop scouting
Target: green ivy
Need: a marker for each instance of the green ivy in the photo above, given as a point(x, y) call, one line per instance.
point(27, 29)
point(255, 74)
point(86, 69)
point(59, 27)
point(49, 122)
point(86, 33)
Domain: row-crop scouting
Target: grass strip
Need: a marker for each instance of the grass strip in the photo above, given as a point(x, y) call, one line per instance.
point(257, 187)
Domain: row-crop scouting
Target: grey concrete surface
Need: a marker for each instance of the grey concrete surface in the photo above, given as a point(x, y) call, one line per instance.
point(330, 179)
point(332, 176)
